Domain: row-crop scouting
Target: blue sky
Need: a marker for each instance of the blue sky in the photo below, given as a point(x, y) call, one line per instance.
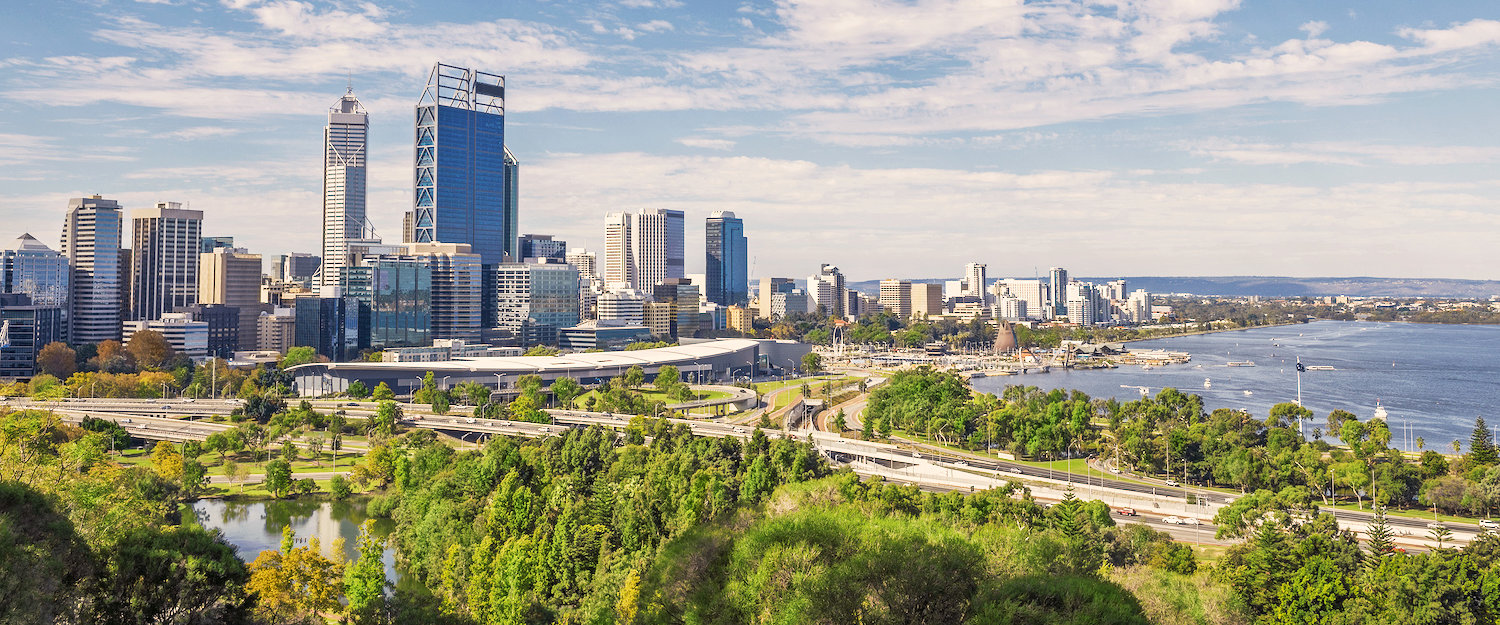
point(893, 138)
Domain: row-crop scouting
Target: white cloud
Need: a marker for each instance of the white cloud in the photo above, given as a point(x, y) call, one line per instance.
point(655, 26)
point(1343, 153)
point(708, 144)
point(1314, 28)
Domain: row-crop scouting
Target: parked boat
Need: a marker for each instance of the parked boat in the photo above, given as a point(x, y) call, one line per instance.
point(1241, 363)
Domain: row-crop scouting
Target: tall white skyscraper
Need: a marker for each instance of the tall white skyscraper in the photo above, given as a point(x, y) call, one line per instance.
point(974, 281)
point(826, 289)
point(164, 259)
point(1057, 289)
point(344, 159)
point(587, 262)
point(1032, 292)
point(643, 249)
point(91, 242)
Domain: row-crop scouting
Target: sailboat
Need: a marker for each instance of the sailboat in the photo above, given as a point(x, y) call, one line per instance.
point(1207, 383)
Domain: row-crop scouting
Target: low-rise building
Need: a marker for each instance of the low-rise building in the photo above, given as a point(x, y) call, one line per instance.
point(602, 335)
point(188, 337)
point(25, 328)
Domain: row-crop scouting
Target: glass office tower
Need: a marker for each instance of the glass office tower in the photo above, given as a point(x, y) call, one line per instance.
point(727, 274)
point(464, 182)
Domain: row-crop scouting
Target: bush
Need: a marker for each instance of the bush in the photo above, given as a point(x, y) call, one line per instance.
point(358, 390)
point(340, 488)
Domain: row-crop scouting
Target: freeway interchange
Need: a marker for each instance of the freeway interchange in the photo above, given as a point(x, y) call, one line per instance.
point(926, 466)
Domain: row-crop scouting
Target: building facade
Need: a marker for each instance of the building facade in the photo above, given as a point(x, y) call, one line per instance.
point(223, 327)
point(826, 290)
point(464, 176)
point(91, 243)
point(726, 260)
point(682, 297)
point(345, 156)
point(276, 330)
point(32, 268)
point(926, 300)
point(230, 277)
point(542, 246)
point(25, 328)
point(164, 259)
point(188, 337)
point(895, 297)
point(535, 300)
point(644, 248)
point(395, 296)
point(1057, 290)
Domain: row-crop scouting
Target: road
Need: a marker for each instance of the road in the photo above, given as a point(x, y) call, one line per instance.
point(146, 419)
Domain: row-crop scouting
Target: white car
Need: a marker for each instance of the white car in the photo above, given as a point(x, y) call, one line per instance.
point(1114, 470)
point(469, 420)
point(1017, 471)
point(1172, 520)
point(1187, 520)
point(544, 430)
point(1489, 524)
point(1172, 483)
point(739, 430)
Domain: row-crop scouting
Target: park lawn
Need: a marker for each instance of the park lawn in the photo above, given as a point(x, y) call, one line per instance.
point(767, 387)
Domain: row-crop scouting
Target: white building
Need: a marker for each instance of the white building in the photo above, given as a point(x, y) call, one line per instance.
point(1011, 308)
point(91, 242)
point(188, 337)
point(1032, 292)
point(344, 159)
point(975, 281)
point(166, 242)
point(642, 249)
point(784, 302)
point(587, 263)
point(624, 306)
point(895, 297)
point(1138, 307)
point(826, 289)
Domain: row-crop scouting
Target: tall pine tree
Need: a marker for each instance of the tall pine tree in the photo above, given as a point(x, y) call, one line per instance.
point(1380, 535)
point(1481, 450)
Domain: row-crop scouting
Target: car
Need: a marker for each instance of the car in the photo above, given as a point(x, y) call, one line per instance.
point(504, 423)
point(544, 429)
point(1017, 471)
point(1188, 520)
point(1172, 520)
point(351, 403)
point(1436, 526)
point(1489, 524)
point(127, 420)
point(1126, 512)
point(961, 463)
point(165, 407)
point(189, 400)
point(1172, 483)
point(739, 430)
point(469, 420)
point(453, 421)
point(916, 455)
point(1114, 470)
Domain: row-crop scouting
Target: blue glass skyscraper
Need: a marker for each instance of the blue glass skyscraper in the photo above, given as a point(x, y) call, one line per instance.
point(727, 271)
point(465, 190)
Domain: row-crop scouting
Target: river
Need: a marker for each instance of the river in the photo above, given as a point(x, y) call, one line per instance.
point(255, 526)
point(1433, 380)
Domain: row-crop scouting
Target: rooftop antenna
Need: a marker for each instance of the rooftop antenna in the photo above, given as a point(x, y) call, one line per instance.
point(351, 82)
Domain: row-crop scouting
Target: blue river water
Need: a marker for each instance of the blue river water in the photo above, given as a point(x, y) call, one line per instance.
point(1433, 380)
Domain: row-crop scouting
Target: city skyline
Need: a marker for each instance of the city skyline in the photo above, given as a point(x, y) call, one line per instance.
point(1220, 139)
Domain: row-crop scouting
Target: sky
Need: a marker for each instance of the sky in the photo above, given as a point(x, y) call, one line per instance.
point(892, 138)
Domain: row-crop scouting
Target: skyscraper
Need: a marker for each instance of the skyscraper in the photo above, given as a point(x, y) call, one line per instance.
point(895, 297)
point(587, 262)
point(344, 159)
point(542, 246)
point(826, 290)
point(643, 249)
point(1057, 288)
point(34, 269)
point(164, 259)
point(974, 281)
point(726, 260)
point(91, 243)
point(231, 277)
point(465, 182)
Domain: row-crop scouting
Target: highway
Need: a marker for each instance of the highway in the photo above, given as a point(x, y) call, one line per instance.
point(154, 419)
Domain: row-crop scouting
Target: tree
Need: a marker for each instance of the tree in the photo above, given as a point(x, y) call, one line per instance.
point(278, 477)
point(440, 402)
point(812, 363)
point(1381, 537)
point(839, 423)
point(340, 488)
point(635, 376)
point(383, 392)
point(383, 424)
point(1481, 450)
point(358, 390)
point(298, 356)
point(57, 359)
point(566, 390)
point(1440, 534)
point(166, 460)
point(194, 476)
point(667, 378)
point(295, 584)
point(111, 356)
point(429, 387)
point(364, 580)
point(150, 349)
point(542, 350)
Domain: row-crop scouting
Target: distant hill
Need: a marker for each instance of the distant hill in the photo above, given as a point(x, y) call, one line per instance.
point(1280, 286)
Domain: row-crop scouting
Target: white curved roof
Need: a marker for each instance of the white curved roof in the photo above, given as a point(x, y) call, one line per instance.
point(569, 362)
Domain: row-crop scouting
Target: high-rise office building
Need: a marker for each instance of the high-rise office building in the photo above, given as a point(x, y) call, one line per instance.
point(209, 244)
point(32, 268)
point(826, 291)
point(542, 246)
point(622, 307)
point(464, 178)
point(345, 157)
point(231, 277)
point(895, 297)
point(1057, 289)
point(1138, 308)
point(1032, 292)
point(91, 243)
point(1082, 303)
point(768, 288)
point(457, 304)
point(394, 305)
point(643, 249)
point(164, 259)
point(299, 268)
point(585, 261)
point(926, 299)
point(682, 296)
point(727, 260)
point(534, 301)
point(25, 328)
point(975, 281)
point(787, 302)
